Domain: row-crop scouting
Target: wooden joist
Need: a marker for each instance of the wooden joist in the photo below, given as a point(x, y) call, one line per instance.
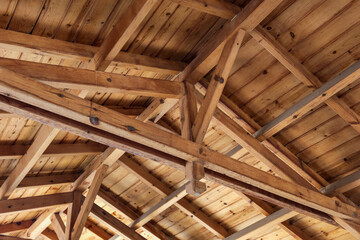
point(19, 205)
point(72, 107)
point(82, 79)
point(121, 33)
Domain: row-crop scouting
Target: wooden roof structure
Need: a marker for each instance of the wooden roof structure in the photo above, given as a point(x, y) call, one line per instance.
point(180, 119)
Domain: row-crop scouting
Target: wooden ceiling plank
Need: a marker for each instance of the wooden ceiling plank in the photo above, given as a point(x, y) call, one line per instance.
point(82, 79)
point(183, 204)
point(58, 225)
point(121, 33)
point(161, 206)
point(304, 75)
point(78, 108)
point(42, 140)
point(114, 224)
point(88, 203)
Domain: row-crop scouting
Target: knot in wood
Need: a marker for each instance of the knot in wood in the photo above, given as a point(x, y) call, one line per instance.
point(94, 120)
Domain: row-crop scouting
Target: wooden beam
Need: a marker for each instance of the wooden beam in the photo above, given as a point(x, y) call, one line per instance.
point(342, 185)
point(46, 180)
point(72, 107)
point(100, 232)
point(16, 226)
point(32, 44)
point(114, 224)
point(49, 234)
point(183, 204)
point(4, 237)
point(88, 203)
point(128, 23)
point(111, 200)
point(42, 140)
point(58, 225)
point(304, 75)
point(216, 87)
point(258, 228)
point(54, 150)
point(146, 63)
point(314, 99)
point(82, 79)
point(161, 206)
point(34, 203)
point(72, 213)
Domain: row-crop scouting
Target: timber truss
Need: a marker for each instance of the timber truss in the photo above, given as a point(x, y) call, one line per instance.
point(33, 90)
